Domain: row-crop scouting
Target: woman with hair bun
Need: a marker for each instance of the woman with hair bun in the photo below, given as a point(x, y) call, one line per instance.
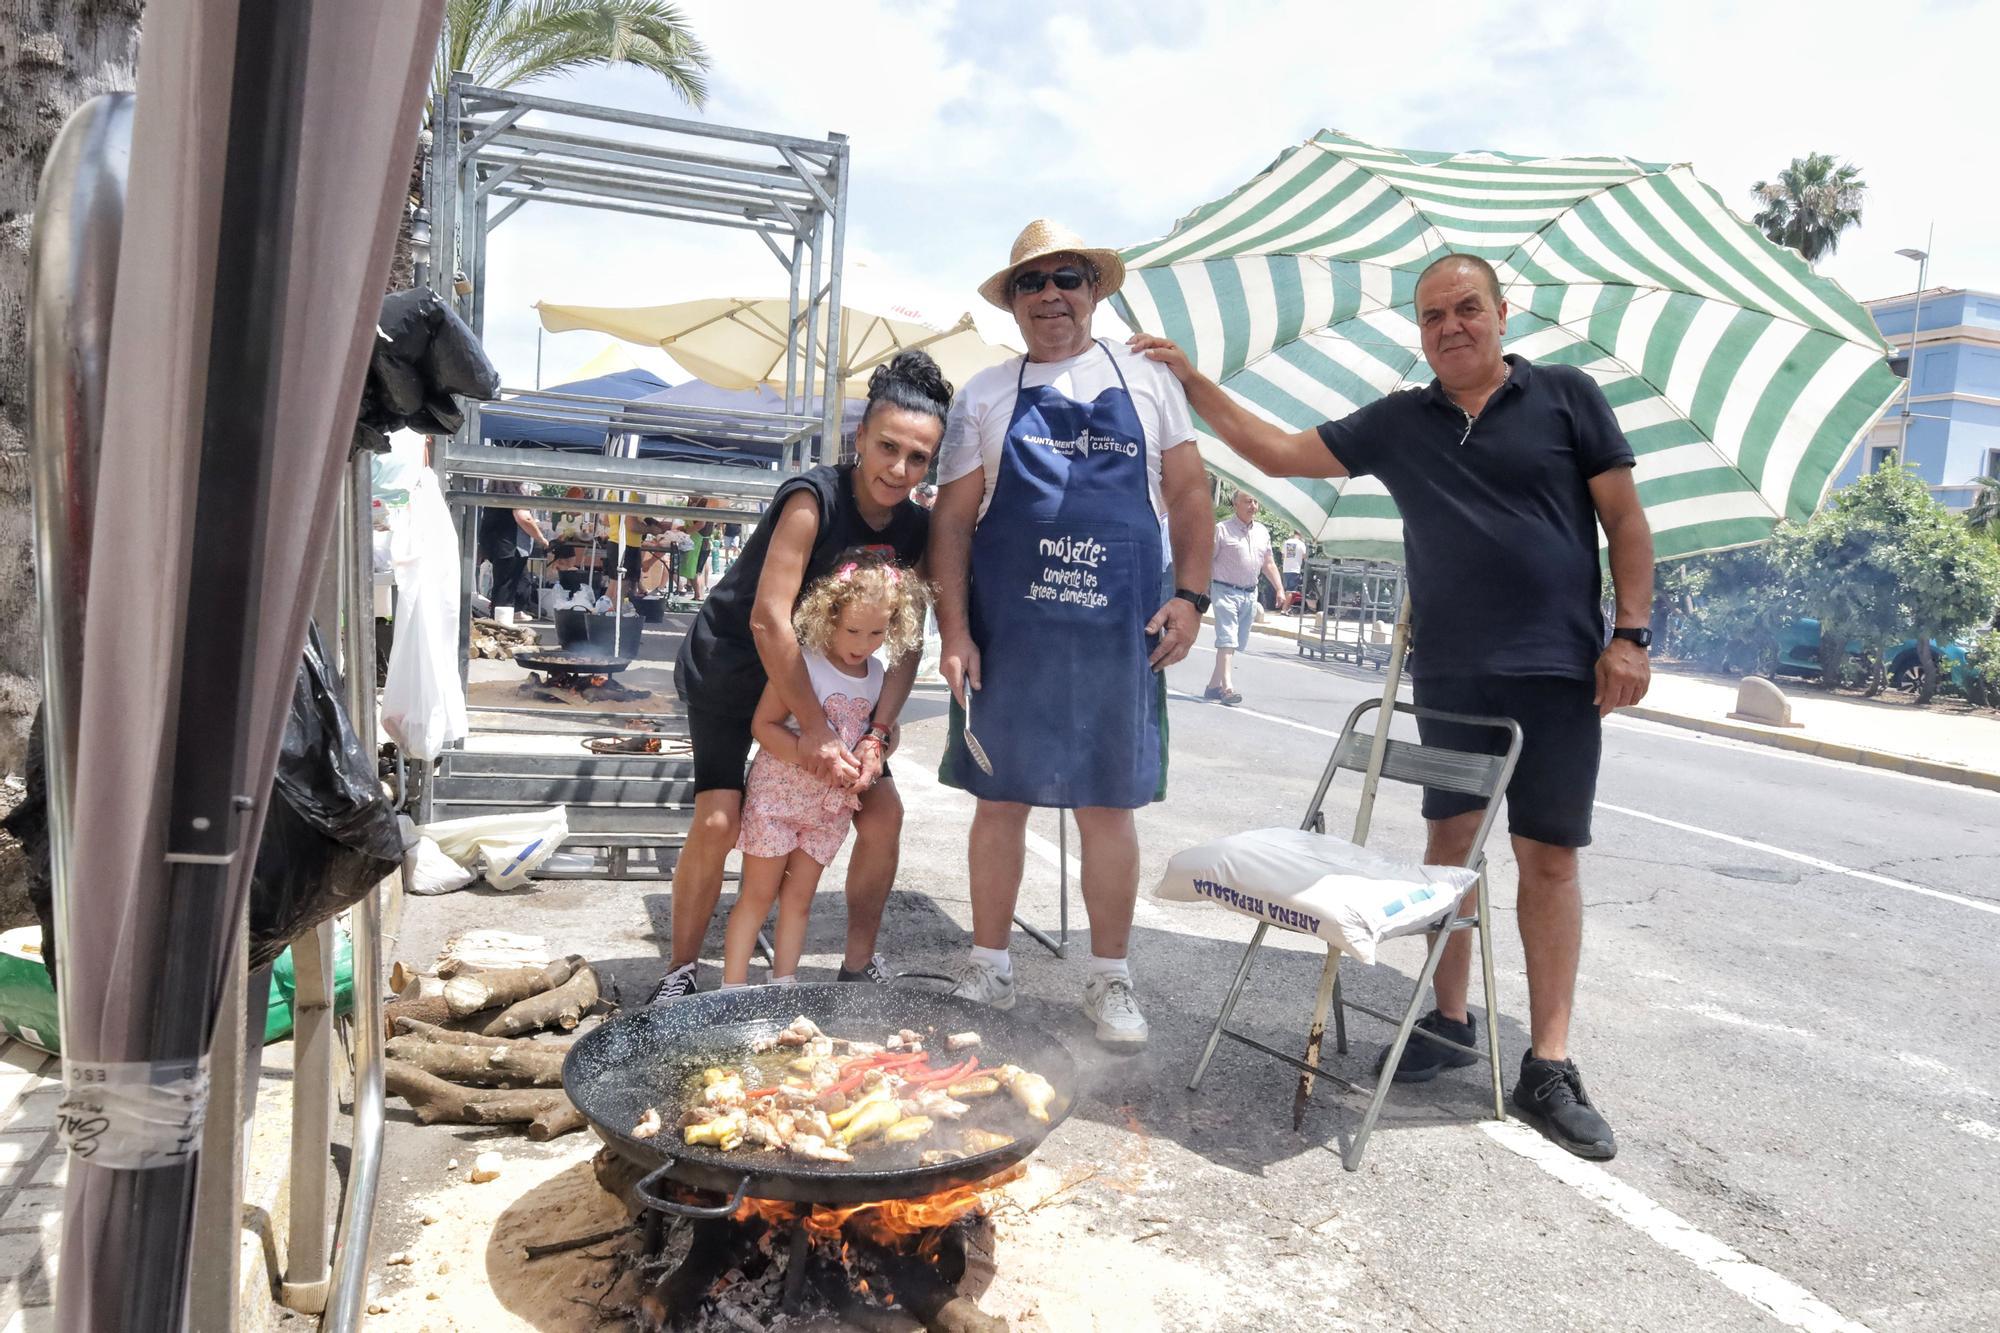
point(743, 638)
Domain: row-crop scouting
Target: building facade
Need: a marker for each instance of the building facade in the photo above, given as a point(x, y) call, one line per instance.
point(1947, 426)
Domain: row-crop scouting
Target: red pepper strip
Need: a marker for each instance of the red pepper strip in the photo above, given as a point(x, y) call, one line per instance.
point(931, 1078)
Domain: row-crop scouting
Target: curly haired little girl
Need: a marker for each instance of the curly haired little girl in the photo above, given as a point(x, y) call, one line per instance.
point(793, 822)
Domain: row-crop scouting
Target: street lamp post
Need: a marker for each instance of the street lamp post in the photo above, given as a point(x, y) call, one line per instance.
point(1923, 258)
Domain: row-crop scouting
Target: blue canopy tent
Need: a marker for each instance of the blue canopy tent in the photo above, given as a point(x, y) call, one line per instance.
point(695, 446)
point(502, 427)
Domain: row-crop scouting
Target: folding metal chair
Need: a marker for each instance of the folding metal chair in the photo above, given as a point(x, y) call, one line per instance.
point(1482, 775)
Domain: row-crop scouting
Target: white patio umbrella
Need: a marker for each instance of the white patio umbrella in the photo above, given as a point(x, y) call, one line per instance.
point(269, 154)
point(739, 342)
point(1741, 377)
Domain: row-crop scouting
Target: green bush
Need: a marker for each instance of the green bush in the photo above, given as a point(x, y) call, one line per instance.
point(1983, 669)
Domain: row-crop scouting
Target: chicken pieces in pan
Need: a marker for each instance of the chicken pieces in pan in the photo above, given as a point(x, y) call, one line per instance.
point(836, 1094)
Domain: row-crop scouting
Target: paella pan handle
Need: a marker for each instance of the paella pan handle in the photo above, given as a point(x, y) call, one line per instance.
point(644, 1189)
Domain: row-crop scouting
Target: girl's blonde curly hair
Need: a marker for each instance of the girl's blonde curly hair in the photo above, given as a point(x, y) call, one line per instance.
point(867, 583)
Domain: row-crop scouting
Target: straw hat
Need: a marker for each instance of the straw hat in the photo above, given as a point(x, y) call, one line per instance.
point(1043, 237)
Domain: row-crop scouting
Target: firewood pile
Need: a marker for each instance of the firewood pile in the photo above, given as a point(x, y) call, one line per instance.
point(492, 639)
point(474, 1045)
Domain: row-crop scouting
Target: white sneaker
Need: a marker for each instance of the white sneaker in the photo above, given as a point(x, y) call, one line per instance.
point(1110, 1003)
point(982, 983)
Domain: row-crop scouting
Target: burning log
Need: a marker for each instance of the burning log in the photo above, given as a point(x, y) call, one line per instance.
point(467, 994)
point(562, 1007)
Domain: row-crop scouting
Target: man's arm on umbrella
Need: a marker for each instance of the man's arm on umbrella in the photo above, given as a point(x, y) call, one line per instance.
point(950, 560)
point(1272, 450)
point(1623, 671)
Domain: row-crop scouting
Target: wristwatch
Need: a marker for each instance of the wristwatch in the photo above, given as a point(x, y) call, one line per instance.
point(1638, 634)
point(1198, 600)
point(879, 734)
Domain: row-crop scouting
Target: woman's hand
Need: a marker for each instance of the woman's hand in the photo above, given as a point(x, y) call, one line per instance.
point(825, 756)
point(958, 663)
point(871, 755)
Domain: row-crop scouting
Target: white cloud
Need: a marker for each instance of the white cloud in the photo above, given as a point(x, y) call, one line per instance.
point(1119, 118)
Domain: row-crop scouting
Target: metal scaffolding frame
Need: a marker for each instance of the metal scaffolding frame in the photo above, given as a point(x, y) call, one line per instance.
point(1355, 618)
point(492, 152)
point(492, 145)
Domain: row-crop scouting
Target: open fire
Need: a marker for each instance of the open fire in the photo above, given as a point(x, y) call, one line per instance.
point(909, 1263)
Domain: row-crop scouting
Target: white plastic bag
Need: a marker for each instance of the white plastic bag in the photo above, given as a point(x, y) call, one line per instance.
point(1317, 885)
point(432, 872)
point(423, 705)
point(508, 848)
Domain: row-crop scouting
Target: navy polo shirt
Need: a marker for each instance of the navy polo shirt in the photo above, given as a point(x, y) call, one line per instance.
point(1499, 530)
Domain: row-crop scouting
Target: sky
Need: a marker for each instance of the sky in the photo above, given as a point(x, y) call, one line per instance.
point(967, 118)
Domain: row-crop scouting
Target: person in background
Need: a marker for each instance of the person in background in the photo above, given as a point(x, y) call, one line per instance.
point(1242, 552)
point(506, 538)
point(1503, 471)
point(925, 495)
point(1292, 557)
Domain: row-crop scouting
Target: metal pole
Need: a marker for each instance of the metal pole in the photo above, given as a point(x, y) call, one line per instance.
point(74, 271)
point(814, 299)
point(350, 1263)
point(1363, 813)
point(836, 356)
point(1916, 327)
point(218, 1208)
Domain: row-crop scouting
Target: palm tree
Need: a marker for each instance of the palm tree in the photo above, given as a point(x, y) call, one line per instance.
point(506, 43)
point(1811, 203)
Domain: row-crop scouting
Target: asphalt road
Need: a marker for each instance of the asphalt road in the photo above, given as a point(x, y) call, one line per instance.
point(1784, 1010)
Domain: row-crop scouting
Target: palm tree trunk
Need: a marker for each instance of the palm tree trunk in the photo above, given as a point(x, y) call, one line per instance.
point(54, 55)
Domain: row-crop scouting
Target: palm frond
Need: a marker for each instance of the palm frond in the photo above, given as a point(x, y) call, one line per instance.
point(504, 43)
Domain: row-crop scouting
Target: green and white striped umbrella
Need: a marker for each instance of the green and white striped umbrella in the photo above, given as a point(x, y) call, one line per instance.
point(1741, 378)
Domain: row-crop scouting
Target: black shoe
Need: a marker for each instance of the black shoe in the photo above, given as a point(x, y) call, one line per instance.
point(874, 970)
point(1550, 1097)
point(1423, 1060)
point(674, 985)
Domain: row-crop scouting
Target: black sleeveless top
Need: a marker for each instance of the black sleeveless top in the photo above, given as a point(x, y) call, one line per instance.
point(718, 670)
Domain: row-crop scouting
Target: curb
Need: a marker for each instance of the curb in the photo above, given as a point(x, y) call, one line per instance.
point(1847, 754)
point(1935, 770)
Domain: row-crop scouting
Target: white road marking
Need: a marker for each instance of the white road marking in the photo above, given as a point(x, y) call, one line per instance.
point(1686, 736)
point(1775, 1294)
point(1817, 863)
point(1830, 867)
point(1979, 1129)
point(1717, 1014)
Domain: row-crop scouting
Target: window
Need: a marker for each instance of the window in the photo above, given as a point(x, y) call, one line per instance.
point(1881, 456)
point(1992, 468)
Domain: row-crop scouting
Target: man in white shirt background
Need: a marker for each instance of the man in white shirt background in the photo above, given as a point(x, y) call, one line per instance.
point(1242, 552)
point(1292, 551)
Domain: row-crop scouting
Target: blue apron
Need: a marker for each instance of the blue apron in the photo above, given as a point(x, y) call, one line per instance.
point(1066, 571)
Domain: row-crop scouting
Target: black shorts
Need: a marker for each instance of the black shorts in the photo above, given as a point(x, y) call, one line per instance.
point(1555, 781)
point(721, 745)
point(721, 750)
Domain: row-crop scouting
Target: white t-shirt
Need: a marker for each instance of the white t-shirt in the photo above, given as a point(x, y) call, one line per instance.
point(1295, 555)
point(980, 414)
point(1240, 551)
point(848, 701)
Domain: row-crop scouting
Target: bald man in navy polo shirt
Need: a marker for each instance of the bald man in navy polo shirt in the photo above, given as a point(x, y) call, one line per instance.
point(1502, 470)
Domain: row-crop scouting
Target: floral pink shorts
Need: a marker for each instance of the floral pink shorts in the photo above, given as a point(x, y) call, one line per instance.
point(787, 809)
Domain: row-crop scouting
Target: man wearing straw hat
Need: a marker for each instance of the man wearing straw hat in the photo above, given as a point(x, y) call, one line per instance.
point(1062, 474)
point(1503, 471)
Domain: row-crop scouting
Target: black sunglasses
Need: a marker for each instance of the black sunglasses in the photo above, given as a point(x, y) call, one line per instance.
point(1066, 279)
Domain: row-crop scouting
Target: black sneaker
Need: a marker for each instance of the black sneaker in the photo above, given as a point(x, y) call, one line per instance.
point(1550, 1097)
point(874, 970)
point(1423, 1059)
point(674, 985)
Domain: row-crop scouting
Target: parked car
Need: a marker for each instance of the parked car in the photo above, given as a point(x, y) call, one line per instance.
point(1798, 655)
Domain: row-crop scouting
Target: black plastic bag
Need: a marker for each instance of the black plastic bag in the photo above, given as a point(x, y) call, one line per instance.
point(331, 834)
point(424, 355)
